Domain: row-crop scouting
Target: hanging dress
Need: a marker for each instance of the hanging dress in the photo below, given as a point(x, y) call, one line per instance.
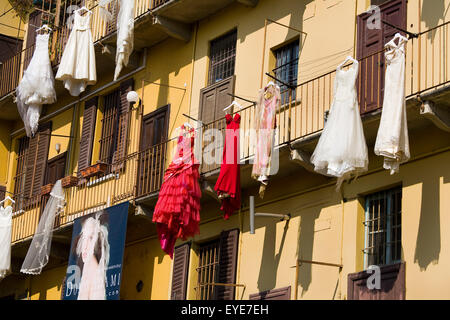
point(342, 150)
point(37, 86)
point(228, 185)
point(392, 139)
point(5, 240)
point(265, 124)
point(39, 250)
point(77, 67)
point(125, 35)
point(177, 211)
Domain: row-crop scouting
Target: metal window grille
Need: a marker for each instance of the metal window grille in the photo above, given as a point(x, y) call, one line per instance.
point(208, 264)
point(19, 178)
point(222, 57)
point(383, 228)
point(108, 141)
point(287, 69)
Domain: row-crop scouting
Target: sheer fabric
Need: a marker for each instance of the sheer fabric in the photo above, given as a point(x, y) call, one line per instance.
point(77, 68)
point(342, 150)
point(269, 100)
point(392, 139)
point(39, 250)
point(37, 86)
point(5, 240)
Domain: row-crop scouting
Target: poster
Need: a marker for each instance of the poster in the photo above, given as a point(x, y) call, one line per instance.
point(94, 271)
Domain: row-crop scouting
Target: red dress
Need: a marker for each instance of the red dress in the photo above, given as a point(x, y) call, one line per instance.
point(177, 212)
point(229, 181)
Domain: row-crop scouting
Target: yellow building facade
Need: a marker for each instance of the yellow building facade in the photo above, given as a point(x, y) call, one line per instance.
point(190, 61)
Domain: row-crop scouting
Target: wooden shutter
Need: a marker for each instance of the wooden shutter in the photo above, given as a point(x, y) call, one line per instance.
point(56, 169)
point(214, 98)
point(275, 294)
point(392, 284)
point(2, 192)
point(180, 272)
point(109, 126)
point(123, 112)
point(87, 134)
point(34, 22)
point(228, 250)
point(36, 161)
point(370, 46)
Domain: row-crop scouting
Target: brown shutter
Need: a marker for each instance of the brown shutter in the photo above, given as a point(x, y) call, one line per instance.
point(2, 192)
point(214, 98)
point(228, 250)
point(109, 126)
point(87, 134)
point(122, 126)
point(392, 284)
point(56, 169)
point(36, 161)
point(34, 22)
point(180, 271)
point(275, 294)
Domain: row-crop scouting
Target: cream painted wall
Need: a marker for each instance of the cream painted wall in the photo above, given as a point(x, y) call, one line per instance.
point(9, 18)
point(48, 285)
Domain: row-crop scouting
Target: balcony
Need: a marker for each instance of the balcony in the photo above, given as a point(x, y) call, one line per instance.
point(299, 127)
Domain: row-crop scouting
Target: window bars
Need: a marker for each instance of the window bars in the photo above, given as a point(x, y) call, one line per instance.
point(222, 57)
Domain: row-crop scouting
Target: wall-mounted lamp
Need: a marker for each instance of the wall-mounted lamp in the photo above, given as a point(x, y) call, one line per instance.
point(132, 97)
point(58, 147)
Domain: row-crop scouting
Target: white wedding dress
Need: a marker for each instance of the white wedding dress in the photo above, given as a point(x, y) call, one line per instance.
point(125, 35)
point(392, 139)
point(37, 86)
point(5, 240)
point(77, 68)
point(39, 250)
point(342, 150)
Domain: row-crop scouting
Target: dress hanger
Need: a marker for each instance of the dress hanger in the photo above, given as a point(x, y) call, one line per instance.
point(234, 103)
point(44, 27)
point(83, 8)
point(398, 36)
point(349, 58)
point(7, 198)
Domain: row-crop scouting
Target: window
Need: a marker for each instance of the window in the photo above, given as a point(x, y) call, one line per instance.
point(208, 263)
point(286, 68)
point(108, 142)
point(383, 228)
point(222, 57)
point(217, 267)
point(19, 178)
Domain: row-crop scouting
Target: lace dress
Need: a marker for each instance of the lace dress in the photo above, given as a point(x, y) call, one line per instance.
point(77, 67)
point(5, 240)
point(125, 35)
point(392, 139)
point(36, 87)
point(342, 150)
point(177, 212)
point(265, 123)
point(228, 185)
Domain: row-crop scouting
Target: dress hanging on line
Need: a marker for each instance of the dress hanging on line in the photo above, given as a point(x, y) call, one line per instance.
point(269, 100)
point(125, 30)
point(39, 250)
point(342, 150)
point(228, 185)
point(37, 86)
point(125, 35)
point(392, 139)
point(5, 240)
point(77, 67)
point(177, 212)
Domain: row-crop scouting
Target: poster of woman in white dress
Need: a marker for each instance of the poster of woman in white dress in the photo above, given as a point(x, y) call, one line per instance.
point(95, 262)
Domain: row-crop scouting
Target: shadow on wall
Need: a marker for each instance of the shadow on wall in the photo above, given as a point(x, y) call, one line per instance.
point(428, 243)
point(306, 245)
point(270, 260)
point(433, 13)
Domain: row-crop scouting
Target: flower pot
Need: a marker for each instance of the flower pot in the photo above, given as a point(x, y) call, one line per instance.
point(46, 189)
point(69, 181)
point(94, 170)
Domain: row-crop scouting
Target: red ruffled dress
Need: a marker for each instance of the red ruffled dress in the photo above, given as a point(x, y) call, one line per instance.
point(177, 212)
point(228, 185)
